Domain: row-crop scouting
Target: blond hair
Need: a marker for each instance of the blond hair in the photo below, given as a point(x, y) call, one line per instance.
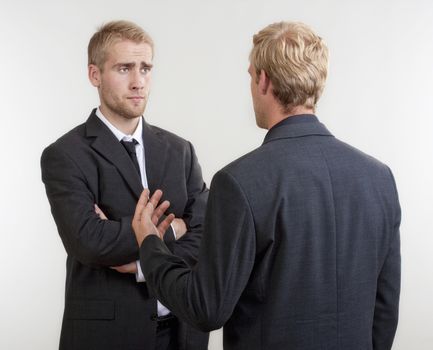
point(296, 61)
point(111, 33)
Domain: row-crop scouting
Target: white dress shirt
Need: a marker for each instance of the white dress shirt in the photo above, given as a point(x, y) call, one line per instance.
point(139, 149)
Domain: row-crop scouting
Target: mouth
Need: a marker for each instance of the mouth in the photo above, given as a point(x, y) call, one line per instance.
point(135, 98)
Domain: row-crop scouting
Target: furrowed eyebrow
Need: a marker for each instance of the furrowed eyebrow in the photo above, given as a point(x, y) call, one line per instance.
point(125, 64)
point(132, 65)
point(146, 65)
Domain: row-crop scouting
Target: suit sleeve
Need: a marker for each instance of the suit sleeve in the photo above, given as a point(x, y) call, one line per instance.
point(388, 289)
point(86, 237)
point(188, 245)
point(206, 295)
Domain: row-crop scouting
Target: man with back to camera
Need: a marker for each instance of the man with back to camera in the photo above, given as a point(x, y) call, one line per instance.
point(96, 172)
point(301, 244)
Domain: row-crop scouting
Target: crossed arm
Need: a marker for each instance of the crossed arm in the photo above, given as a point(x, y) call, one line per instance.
point(72, 186)
point(178, 225)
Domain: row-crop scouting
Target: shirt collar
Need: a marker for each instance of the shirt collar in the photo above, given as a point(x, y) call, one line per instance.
point(137, 135)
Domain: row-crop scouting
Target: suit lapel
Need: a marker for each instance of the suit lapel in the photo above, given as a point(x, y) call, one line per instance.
point(156, 152)
point(107, 145)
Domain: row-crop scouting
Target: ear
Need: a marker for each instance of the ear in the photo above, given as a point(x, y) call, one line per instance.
point(94, 75)
point(264, 82)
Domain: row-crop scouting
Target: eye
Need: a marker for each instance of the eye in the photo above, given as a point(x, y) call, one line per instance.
point(123, 69)
point(145, 70)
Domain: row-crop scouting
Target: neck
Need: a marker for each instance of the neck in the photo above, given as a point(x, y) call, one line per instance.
point(125, 125)
point(278, 115)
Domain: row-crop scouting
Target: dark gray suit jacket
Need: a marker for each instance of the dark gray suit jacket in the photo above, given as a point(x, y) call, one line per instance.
point(300, 249)
point(105, 309)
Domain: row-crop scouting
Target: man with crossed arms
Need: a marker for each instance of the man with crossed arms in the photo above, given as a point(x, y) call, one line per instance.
point(108, 161)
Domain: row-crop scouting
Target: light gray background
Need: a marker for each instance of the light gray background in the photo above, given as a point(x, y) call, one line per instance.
point(378, 98)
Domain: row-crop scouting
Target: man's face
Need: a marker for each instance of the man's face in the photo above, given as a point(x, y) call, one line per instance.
point(260, 118)
point(124, 82)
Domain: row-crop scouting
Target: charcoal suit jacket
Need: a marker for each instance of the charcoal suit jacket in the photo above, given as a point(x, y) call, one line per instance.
point(105, 309)
point(300, 249)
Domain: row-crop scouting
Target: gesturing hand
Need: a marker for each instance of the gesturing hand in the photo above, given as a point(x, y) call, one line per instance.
point(147, 215)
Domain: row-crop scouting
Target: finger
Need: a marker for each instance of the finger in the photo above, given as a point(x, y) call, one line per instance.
point(156, 197)
point(127, 268)
point(163, 226)
point(97, 210)
point(141, 204)
point(147, 212)
point(100, 213)
point(159, 211)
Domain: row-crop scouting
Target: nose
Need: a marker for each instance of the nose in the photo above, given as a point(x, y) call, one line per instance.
point(137, 80)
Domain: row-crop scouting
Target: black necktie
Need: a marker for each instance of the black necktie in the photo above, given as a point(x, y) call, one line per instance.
point(130, 148)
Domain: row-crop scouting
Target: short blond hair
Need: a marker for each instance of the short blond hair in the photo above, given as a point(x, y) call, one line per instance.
point(296, 61)
point(111, 33)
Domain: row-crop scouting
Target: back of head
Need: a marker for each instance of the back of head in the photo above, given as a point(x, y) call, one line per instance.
point(296, 61)
point(111, 33)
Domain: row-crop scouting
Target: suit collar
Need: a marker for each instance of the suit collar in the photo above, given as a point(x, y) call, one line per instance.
point(297, 126)
point(109, 147)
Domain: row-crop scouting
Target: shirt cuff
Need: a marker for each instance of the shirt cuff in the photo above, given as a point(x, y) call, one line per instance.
point(139, 277)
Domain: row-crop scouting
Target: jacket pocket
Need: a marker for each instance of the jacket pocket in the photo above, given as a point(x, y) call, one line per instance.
point(88, 309)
